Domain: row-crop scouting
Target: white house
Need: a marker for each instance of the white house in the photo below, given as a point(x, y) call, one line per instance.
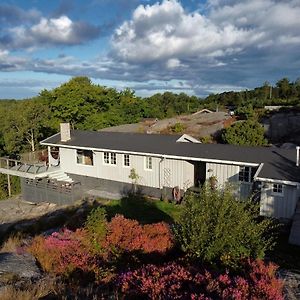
point(101, 162)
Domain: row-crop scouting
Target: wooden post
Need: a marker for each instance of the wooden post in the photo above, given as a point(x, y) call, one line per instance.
point(8, 185)
point(8, 181)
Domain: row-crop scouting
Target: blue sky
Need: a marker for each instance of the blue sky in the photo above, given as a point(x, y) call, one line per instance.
point(196, 47)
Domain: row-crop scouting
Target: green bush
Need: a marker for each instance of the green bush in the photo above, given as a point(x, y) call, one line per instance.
point(245, 133)
point(214, 227)
point(178, 128)
point(96, 226)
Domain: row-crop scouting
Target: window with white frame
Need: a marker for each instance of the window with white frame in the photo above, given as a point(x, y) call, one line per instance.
point(245, 174)
point(110, 158)
point(85, 157)
point(106, 157)
point(277, 188)
point(148, 163)
point(126, 160)
point(113, 158)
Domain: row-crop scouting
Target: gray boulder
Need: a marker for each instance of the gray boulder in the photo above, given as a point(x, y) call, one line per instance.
point(15, 266)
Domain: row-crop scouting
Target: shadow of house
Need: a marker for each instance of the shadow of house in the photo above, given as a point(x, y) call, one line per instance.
point(71, 217)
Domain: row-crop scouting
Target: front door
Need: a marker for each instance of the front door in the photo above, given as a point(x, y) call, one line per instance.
point(199, 173)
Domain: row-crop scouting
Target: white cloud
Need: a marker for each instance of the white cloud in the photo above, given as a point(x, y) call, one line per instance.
point(233, 45)
point(56, 30)
point(52, 31)
point(166, 31)
point(173, 63)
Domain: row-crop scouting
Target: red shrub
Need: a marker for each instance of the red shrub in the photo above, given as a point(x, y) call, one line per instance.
point(157, 238)
point(124, 234)
point(128, 235)
point(62, 252)
point(173, 281)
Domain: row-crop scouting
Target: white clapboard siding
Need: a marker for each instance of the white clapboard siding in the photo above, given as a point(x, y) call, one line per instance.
point(276, 206)
point(165, 172)
point(224, 173)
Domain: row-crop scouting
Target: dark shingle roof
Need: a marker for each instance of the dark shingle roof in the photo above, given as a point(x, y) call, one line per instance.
point(279, 164)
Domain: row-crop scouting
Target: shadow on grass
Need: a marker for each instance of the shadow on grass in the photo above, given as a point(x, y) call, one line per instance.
point(138, 207)
point(284, 254)
point(133, 206)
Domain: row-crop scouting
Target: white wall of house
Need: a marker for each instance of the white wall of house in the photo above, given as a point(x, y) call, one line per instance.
point(225, 173)
point(278, 206)
point(228, 175)
point(68, 163)
point(164, 172)
point(177, 173)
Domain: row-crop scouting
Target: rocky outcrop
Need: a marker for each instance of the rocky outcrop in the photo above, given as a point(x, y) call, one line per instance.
point(17, 269)
point(283, 127)
point(21, 265)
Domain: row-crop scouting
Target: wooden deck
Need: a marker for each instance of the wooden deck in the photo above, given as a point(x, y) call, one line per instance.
point(26, 170)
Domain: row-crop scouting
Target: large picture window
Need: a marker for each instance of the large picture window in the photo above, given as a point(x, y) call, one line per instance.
point(85, 157)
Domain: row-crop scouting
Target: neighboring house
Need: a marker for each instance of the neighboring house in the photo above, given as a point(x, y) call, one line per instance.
point(203, 111)
point(101, 162)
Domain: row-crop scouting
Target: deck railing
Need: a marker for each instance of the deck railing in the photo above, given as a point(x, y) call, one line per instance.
point(17, 165)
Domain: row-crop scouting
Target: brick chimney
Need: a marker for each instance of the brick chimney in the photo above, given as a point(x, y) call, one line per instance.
point(65, 132)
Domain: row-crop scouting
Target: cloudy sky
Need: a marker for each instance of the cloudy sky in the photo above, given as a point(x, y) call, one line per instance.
point(193, 46)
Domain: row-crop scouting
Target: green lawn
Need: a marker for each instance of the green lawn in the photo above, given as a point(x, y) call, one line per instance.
point(142, 209)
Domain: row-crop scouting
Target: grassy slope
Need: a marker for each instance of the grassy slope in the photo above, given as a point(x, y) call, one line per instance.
point(144, 210)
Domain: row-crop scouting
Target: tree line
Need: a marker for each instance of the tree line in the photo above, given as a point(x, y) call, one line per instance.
point(86, 105)
point(90, 106)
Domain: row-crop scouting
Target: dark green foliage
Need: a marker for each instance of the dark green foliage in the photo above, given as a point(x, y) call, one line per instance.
point(245, 112)
point(96, 226)
point(284, 93)
point(15, 185)
point(214, 227)
point(245, 133)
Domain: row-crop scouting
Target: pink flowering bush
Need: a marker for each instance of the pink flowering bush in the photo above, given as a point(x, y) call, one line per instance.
point(173, 281)
point(62, 252)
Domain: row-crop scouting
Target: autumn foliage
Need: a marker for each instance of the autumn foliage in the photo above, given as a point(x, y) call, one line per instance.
point(66, 251)
point(174, 281)
point(128, 235)
point(62, 252)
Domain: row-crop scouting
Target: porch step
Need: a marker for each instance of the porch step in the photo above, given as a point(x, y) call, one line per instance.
point(294, 237)
point(60, 176)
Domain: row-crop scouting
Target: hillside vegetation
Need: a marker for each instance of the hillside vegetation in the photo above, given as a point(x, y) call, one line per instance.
point(85, 105)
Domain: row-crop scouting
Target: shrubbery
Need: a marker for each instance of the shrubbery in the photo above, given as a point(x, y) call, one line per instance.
point(63, 252)
point(125, 235)
point(84, 249)
point(174, 281)
point(214, 227)
point(245, 133)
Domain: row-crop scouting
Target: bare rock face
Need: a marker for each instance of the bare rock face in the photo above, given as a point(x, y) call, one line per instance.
point(15, 267)
point(283, 126)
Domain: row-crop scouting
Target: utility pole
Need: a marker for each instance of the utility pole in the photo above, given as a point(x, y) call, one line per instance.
point(270, 91)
